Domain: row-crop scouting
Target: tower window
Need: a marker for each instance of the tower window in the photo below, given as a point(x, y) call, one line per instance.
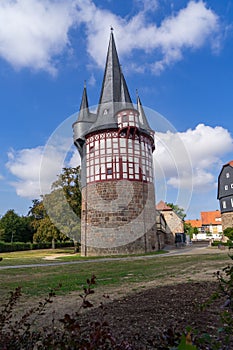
point(232, 202)
point(226, 187)
point(227, 175)
point(231, 185)
point(109, 171)
point(224, 205)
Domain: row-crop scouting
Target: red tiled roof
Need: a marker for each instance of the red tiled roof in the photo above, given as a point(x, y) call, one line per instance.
point(209, 217)
point(162, 206)
point(230, 163)
point(194, 223)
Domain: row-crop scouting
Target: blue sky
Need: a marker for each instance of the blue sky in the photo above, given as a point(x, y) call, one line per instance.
point(178, 54)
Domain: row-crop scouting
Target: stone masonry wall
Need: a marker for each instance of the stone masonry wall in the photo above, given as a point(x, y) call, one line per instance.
point(174, 225)
point(118, 217)
point(227, 220)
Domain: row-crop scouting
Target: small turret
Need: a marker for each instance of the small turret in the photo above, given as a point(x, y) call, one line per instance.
point(84, 122)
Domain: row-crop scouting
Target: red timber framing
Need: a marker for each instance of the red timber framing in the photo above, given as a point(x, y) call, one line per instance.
point(119, 155)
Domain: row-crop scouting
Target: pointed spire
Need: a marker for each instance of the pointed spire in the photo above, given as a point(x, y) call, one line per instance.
point(84, 108)
point(125, 96)
point(142, 116)
point(114, 89)
point(112, 76)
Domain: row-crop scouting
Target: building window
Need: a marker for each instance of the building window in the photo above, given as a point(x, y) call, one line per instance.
point(231, 185)
point(232, 202)
point(227, 175)
point(224, 205)
point(226, 187)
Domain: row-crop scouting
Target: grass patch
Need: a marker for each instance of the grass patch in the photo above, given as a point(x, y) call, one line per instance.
point(33, 256)
point(37, 281)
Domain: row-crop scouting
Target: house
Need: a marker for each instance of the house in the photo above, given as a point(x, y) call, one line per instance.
point(195, 223)
point(174, 224)
point(211, 222)
point(209, 226)
point(225, 194)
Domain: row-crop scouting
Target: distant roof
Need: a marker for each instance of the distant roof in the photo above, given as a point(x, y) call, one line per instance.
point(162, 206)
point(230, 163)
point(211, 217)
point(194, 223)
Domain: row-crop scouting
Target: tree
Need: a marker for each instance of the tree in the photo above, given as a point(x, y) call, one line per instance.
point(63, 204)
point(69, 182)
point(178, 210)
point(228, 232)
point(57, 214)
point(190, 230)
point(15, 228)
point(45, 230)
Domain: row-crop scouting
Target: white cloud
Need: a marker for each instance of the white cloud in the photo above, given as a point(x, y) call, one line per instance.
point(75, 159)
point(203, 146)
point(25, 165)
point(33, 32)
point(192, 27)
point(37, 168)
point(182, 160)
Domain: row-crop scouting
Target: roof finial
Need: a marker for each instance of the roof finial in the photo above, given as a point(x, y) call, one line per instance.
point(85, 83)
point(137, 93)
point(112, 29)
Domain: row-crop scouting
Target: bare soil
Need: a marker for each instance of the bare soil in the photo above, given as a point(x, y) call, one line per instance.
point(144, 318)
point(151, 311)
point(147, 313)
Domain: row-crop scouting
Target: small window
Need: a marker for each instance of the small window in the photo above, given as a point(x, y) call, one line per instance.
point(226, 187)
point(232, 202)
point(227, 175)
point(109, 171)
point(92, 148)
point(231, 185)
point(224, 205)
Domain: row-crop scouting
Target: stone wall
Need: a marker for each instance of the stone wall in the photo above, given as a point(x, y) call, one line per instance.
point(227, 220)
point(174, 225)
point(118, 217)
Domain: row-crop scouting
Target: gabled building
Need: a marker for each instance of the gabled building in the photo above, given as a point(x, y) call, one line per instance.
point(211, 222)
point(174, 225)
point(116, 145)
point(195, 224)
point(209, 226)
point(225, 194)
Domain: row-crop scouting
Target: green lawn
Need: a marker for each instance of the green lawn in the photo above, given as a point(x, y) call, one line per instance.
point(37, 281)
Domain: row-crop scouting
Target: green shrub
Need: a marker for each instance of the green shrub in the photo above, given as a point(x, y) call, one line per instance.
point(20, 246)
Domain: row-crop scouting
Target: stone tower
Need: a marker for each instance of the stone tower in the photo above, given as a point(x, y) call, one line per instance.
point(225, 194)
point(116, 145)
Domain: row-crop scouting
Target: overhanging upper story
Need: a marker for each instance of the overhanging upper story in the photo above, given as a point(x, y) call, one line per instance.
point(225, 188)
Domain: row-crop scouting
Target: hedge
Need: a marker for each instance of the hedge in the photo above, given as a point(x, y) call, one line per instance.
point(229, 243)
point(19, 246)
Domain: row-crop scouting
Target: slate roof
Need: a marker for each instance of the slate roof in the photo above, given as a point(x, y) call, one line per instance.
point(114, 97)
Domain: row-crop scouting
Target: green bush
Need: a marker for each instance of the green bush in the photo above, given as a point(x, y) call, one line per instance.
point(13, 247)
point(20, 246)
